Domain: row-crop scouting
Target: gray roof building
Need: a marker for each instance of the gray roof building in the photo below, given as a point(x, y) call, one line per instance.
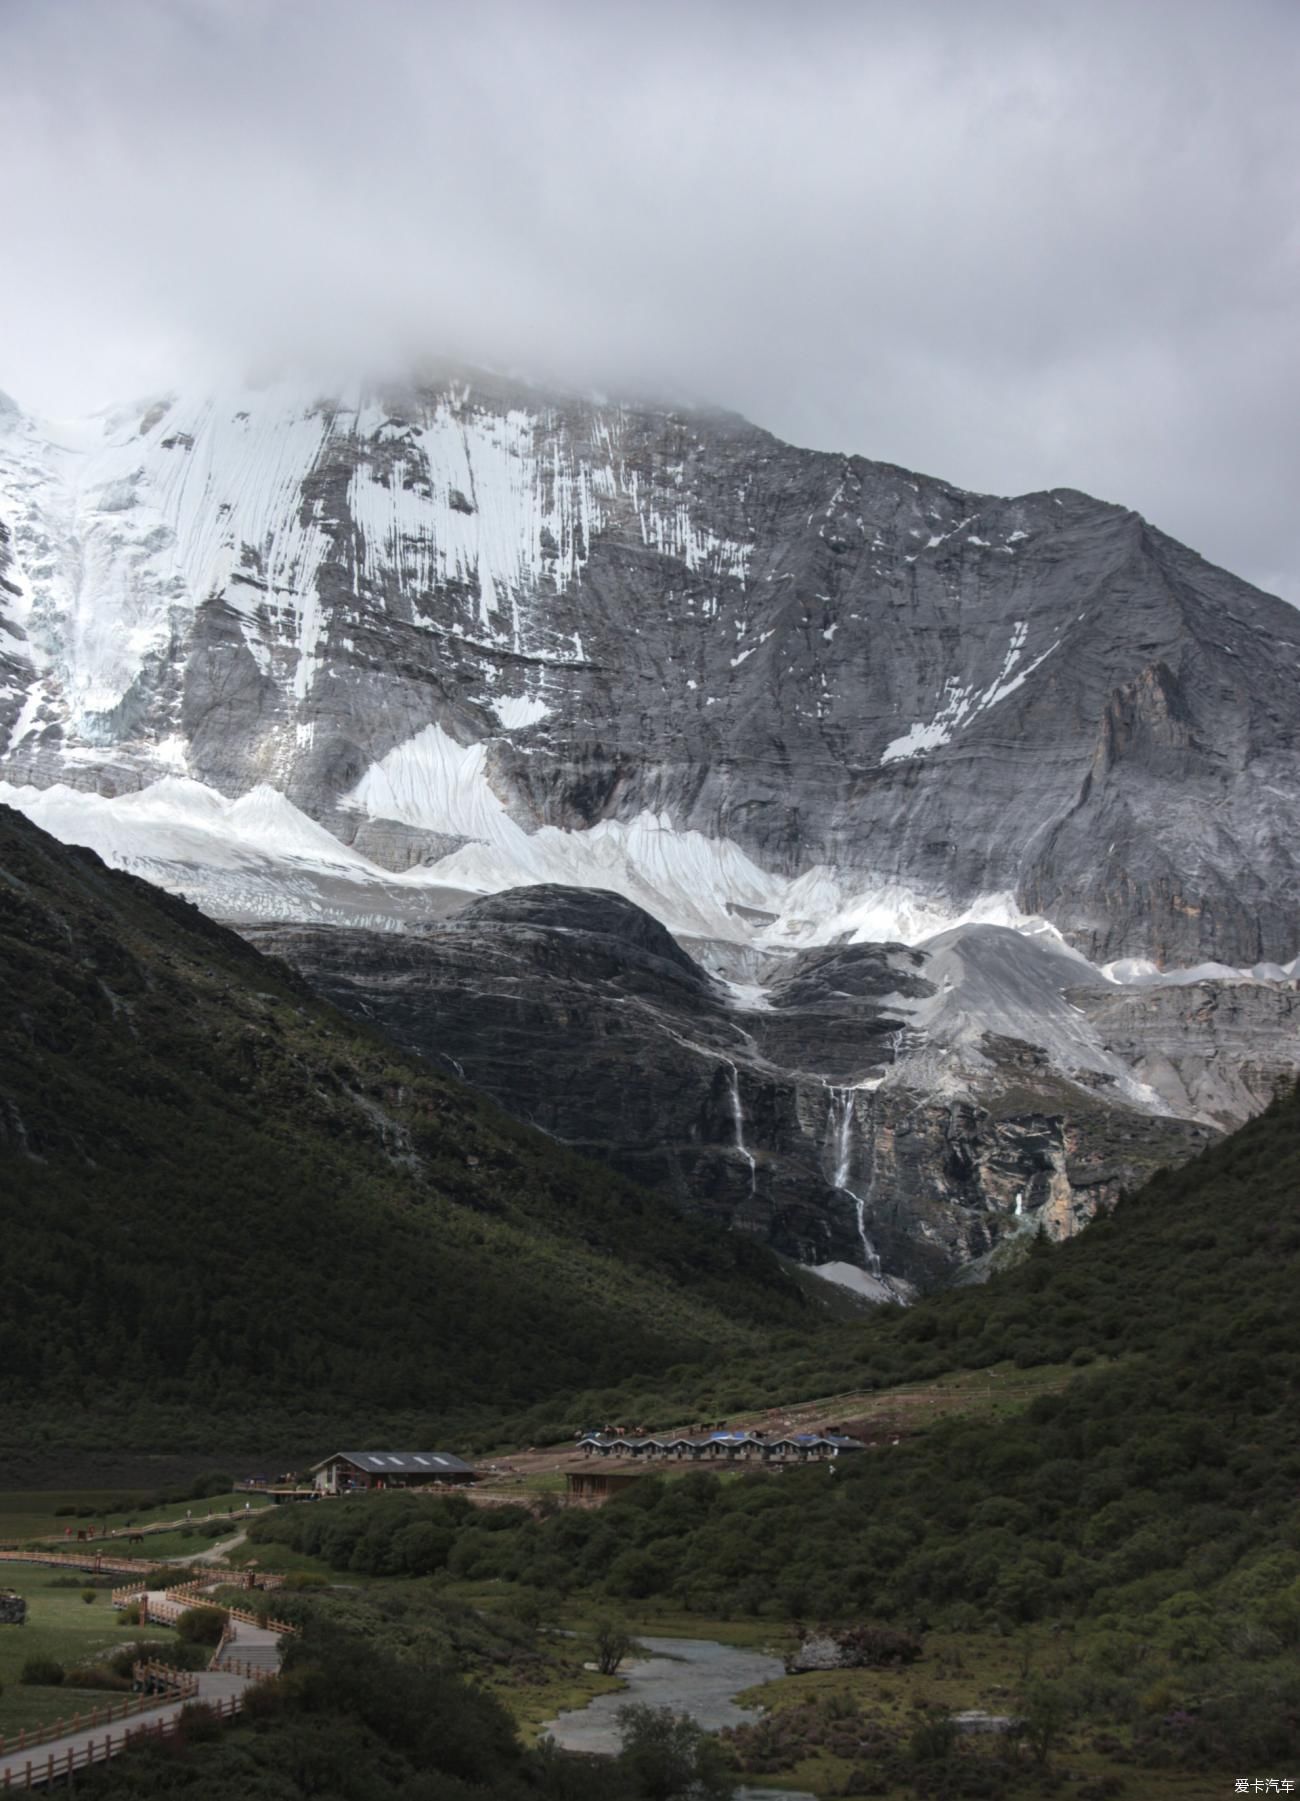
point(389, 1469)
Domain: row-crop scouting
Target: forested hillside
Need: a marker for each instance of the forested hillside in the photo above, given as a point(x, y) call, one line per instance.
point(232, 1218)
point(1168, 1468)
point(1142, 1522)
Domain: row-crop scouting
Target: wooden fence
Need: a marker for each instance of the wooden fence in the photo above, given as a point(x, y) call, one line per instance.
point(188, 1594)
point(153, 1676)
point(182, 1687)
point(81, 1560)
point(183, 1683)
point(42, 1771)
point(132, 1534)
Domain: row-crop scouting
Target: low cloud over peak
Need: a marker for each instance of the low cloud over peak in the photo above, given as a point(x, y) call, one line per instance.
point(1018, 245)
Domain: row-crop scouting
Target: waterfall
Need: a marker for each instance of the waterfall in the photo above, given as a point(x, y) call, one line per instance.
point(738, 1121)
point(843, 1106)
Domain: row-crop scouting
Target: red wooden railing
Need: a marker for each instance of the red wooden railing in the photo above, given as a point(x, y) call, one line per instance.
point(53, 1767)
point(183, 1682)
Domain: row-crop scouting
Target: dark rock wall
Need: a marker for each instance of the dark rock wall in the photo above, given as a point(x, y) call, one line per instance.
point(579, 1014)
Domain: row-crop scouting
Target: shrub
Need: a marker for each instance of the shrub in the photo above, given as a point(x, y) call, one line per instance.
point(89, 1596)
point(613, 1642)
point(217, 1482)
point(201, 1625)
point(263, 1699)
point(864, 1647)
point(145, 1650)
point(933, 1740)
point(42, 1672)
point(666, 1755)
point(198, 1724)
point(100, 1676)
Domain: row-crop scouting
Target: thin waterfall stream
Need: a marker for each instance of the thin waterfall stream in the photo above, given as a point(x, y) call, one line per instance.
point(738, 1121)
point(843, 1108)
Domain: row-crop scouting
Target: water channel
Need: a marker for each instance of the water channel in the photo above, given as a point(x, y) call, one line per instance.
point(696, 1676)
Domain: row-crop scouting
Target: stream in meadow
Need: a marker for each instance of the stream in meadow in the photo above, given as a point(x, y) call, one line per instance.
point(696, 1676)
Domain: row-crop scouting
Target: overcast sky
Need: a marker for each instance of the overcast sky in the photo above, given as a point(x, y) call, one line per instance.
point(1014, 243)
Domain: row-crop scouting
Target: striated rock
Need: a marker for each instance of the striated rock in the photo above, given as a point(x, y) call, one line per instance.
point(854, 1111)
point(823, 743)
point(441, 618)
point(1213, 1049)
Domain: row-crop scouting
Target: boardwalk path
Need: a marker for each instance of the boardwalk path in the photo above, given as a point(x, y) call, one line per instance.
point(254, 1651)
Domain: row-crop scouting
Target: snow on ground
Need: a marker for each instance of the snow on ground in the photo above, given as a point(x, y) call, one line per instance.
point(1140, 972)
point(181, 821)
point(501, 502)
point(434, 782)
point(848, 1275)
point(701, 888)
point(516, 712)
point(698, 887)
point(121, 519)
point(124, 523)
point(960, 703)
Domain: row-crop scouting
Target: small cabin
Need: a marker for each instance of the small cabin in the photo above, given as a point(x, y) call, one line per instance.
point(734, 1447)
point(753, 1447)
point(363, 1472)
point(812, 1447)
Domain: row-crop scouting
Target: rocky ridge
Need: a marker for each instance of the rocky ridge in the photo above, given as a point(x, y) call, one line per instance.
point(515, 636)
point(885, 1113)
point(350, 659)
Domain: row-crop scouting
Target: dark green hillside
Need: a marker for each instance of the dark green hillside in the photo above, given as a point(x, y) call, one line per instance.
point(1138, 1532)
point(229, 1216)
point(1198, 1272)
point(1169, 1475)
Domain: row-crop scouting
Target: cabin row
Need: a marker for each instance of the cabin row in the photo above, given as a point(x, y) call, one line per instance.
point(723, 1447)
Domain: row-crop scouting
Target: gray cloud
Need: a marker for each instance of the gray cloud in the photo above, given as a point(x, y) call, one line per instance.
point(1014, 243)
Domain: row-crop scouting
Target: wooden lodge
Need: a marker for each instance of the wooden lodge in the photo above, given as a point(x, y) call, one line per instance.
point(364, 1472)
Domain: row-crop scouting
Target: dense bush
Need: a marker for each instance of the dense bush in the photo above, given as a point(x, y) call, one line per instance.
point(201, 1625)
point(42, 1672)
point(157, 1650)
point(98, 1676)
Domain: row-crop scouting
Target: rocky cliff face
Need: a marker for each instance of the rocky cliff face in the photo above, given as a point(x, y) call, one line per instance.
point(519, 636)
point(351, 660)
point(886, 1114)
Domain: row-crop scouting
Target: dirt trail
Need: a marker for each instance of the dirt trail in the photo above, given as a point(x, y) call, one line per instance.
point(880, 1419)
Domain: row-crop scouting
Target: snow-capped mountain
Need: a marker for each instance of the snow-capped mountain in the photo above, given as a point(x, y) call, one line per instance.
point(355, 658)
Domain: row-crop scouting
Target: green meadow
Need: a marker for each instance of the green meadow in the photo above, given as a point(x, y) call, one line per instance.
point(60, 1625)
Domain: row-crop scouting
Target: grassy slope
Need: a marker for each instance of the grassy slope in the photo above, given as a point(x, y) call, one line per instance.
point(28, 1514)
point(61, 1626)
point(233, 1217)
